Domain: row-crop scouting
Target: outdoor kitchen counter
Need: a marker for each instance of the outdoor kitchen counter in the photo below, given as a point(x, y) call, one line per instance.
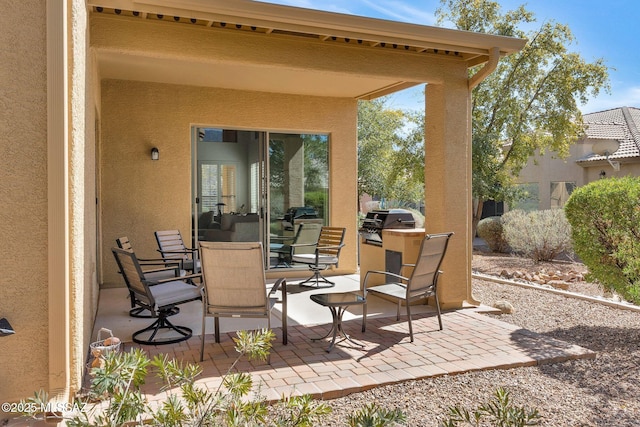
point(399, 246)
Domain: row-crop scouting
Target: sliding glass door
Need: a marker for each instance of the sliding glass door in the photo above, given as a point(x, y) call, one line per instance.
point(298, 193)
point(260, 186)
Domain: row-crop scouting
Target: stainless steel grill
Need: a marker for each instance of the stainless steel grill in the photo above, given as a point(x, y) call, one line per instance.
point(378, 220)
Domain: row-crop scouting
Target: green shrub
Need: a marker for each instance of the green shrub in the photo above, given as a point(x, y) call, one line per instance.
point(539, 235)
point(605, 219)
point(490, 230)
point(499, 412)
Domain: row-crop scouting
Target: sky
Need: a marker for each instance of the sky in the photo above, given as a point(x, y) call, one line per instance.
point(607, 29)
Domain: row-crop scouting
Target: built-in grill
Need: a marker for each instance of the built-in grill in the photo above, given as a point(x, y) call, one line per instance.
point(378, 220)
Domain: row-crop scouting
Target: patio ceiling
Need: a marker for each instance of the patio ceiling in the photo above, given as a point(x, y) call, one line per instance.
point(269, 21)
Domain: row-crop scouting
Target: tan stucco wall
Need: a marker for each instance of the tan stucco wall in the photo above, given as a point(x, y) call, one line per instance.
point(547, 168)
point(448, 182)
point(52, 318)
point(84, 288)
point(140, 196)
point(23, 198)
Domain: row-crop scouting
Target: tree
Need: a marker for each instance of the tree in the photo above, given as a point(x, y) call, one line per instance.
point(390, 152)
point(529, 103)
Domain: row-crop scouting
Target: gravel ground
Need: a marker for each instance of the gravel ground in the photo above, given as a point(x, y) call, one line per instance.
point(604, 391)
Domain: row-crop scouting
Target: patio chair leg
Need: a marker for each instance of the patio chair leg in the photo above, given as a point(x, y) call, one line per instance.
point(162, 323)
point(216, 328)
point(438, 309)
point(409, 320)
point(144, 313)
point(317, 278)
point(364, 317)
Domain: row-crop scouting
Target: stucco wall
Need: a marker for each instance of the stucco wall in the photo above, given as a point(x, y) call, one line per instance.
point(139, 196)
point(548, 168)
point(83, 217)
point(23, 198)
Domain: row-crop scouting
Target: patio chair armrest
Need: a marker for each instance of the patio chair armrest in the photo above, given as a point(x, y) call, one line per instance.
point(300, 245)
point(186, 278)
point(184, 251)
point(366, 277)
point(157, 270)
point(281, 284)
point(281, 239)
point(325, 247)
point(158, 261)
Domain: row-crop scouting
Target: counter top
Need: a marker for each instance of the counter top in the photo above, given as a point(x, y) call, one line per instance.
point(404, 231)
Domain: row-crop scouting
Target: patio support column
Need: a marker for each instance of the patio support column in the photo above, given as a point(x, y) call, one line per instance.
point(448, 182)
point(58, 195)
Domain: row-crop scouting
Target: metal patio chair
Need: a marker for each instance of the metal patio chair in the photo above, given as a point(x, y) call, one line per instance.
point(326, 253)
point(160, 297)
point(172, 248)
point(154, 269)
point(422, 283)
point(235, 285)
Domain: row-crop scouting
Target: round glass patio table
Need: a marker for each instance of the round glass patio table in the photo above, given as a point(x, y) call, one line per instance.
point(337, 303)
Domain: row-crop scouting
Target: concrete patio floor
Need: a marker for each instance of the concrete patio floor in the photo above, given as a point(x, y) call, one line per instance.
point(469, 341)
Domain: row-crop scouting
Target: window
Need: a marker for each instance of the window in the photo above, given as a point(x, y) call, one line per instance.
point(560, 192)
point(217, 185)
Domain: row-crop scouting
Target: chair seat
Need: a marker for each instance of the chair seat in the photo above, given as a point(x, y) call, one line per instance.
point(396, 290)
point(311, 259)
point(174, 292)
point(258, 311)
point(156, 276)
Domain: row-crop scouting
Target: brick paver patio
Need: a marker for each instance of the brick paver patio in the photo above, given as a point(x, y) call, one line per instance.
point(470, 341)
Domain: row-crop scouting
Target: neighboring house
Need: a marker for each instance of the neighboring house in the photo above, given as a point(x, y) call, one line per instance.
point(89, 88)
point(550, 180)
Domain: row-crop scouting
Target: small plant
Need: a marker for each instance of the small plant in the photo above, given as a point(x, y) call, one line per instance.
point(115, 397)
point(499, 412)
point(605, 221)
point(539, 235)
point(373, 415)
point(490, 230)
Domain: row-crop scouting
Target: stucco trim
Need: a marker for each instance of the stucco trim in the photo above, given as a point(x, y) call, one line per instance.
point(58, 194)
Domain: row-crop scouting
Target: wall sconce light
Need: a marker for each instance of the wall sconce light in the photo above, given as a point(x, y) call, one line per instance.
point(5, 328)
point(155, 154)
point(603, 174)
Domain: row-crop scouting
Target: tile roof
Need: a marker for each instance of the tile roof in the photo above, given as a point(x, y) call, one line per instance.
point(622, 124)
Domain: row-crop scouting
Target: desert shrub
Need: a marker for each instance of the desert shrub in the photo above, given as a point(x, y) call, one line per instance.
point(115, 397)
point(605, 219)
point(490, 230)
point(373, 415)
point(498, 412)
point(539, 235)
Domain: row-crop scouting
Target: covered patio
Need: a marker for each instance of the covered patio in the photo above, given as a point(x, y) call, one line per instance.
point(100, 83)
point(470, 341)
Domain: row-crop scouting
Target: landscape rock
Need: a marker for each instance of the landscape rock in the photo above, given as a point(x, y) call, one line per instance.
point(504, 306)
point(558, 284)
